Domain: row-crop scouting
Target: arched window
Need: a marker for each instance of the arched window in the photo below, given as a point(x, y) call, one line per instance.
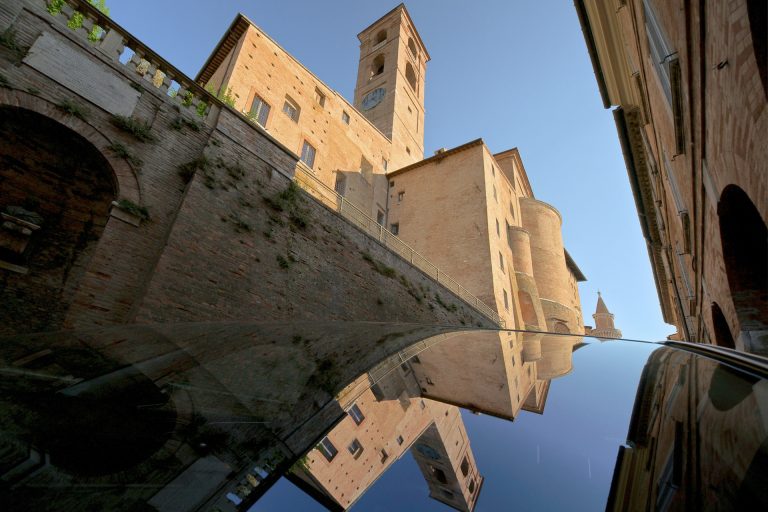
point(410, 75)
point(744, 239)
point(465, 466)
point(412, 47)
point(380, 37)
point(561, 328)
point(723, 336)
point(377, 66)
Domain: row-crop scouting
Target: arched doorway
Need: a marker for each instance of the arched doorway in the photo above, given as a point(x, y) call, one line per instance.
point(56, 190)
point(723, 336)
point(744, 240)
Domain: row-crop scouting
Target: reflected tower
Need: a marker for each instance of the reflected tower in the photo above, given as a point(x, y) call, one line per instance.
point(604, 328)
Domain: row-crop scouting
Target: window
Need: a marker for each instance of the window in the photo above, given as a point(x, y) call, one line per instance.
point(384, 455)
point(395, 228)
point(407, 150)
point(412, 47)
point(661, 51)
point(465, 466)
point(501, 262)
point(410, 75)
point(377, 66)
point(498, 230)
point(356, 414)
point(415, 359)
point(439, 475)
point(380, 218)
point(291, 109)
point(259, 111)
point(506, 300)
point(391, 184)
point(471, 487)
point(344, 117)
point(400, 440)
point(319, 97)
point(384, 163)
point(341, 183)
point(406, 369)
point(327, 449)
point(381, 36)
point(308, 154)
point(355, 448)
point(400, 196)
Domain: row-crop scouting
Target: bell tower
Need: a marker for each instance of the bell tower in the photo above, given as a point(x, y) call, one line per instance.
point(390, 83)
point(604, 327)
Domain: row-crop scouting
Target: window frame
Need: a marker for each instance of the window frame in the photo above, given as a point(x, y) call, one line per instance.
point(307, 146)
point(356, 414)
point(330, 451)
point(264, 109)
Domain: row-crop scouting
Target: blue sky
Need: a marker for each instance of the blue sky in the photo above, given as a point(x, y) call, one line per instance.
point(515, 73)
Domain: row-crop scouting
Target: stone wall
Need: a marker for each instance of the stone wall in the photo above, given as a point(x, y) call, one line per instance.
point(218, 241)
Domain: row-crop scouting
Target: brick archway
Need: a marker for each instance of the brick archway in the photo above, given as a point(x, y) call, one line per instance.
point(744, 239)
point(56, 193)
point(126, 178)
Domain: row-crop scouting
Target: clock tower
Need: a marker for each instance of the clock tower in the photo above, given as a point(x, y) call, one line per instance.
point(390, 83)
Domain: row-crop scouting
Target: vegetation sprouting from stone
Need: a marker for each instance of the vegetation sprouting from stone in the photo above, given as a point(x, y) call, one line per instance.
point(447, 307)
point(139, 129)
point(188, 170)
point(70, 107)
point(289, 201)
point(326, 376)
point(225, 94)
point(123, 152)
point(76, 21)
point(283, 262)
point(182, 122)
point(241, 225)
point(134, 209)
point(8, 40)
point(379, 267)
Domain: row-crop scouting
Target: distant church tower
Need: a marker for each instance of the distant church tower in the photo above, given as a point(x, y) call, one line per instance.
point(390, 83)
point(604, 327)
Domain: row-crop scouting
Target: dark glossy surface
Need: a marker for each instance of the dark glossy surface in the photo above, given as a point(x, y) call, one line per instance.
point(374, 417)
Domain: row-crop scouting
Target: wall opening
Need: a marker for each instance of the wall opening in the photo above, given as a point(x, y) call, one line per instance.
point(381, 36)
point(410, 75)
point(744, 239)
point(757, 12)
point(54, 179)
point(377, 66)
point(723, 336)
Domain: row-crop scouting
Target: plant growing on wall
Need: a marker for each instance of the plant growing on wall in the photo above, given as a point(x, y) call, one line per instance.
point(224, 94)
point(76, 21)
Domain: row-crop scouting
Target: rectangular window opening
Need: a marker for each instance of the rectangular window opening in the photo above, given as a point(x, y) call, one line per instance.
point(308, 152)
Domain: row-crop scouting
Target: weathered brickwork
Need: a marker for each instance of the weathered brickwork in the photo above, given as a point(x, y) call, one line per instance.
point(689, 81)
point(218, 242)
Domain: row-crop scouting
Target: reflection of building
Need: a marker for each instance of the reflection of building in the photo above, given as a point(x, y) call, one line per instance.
point(604, 328)
point(381, 424)
point(698, 439)
point(689, 81)
point(469, 211)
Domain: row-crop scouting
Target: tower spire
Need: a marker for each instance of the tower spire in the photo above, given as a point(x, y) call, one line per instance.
point(604, 327)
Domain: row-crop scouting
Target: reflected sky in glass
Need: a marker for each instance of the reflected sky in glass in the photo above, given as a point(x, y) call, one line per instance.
point(562, 459)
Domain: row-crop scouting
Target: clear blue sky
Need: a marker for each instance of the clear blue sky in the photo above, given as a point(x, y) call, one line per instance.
point(514, 72)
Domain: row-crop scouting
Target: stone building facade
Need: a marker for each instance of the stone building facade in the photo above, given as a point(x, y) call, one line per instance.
point(690, 89)
point(470, 212)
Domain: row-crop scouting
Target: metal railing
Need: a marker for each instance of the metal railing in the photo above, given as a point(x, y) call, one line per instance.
point(307, 180)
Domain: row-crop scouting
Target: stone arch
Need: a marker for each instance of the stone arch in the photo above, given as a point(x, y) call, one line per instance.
point(381, 36)
point(561, 327)
point(56, 192)
point(377, 66)
point(744, 239)
point(723, 336)
point(412, 47)
point(410, 75)
point(126, 178)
